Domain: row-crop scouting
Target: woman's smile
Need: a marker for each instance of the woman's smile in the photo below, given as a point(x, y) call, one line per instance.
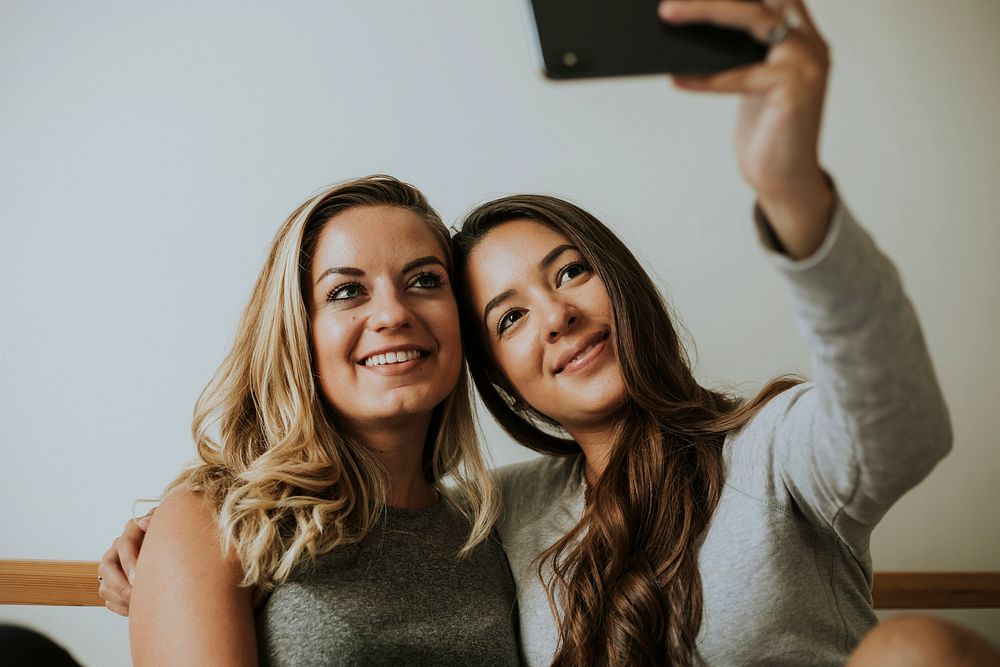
point(583, 356)
point(397, 360)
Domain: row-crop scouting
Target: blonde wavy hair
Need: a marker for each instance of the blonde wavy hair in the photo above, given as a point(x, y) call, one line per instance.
point(285, 483)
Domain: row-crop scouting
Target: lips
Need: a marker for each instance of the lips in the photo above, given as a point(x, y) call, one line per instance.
point(583, 352)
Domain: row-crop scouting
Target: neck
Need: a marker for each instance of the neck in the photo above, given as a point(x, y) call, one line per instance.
point(596, 443)
point(400, 448)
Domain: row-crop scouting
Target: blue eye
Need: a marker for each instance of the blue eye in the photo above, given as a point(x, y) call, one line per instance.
point(427, 280)
point(571, 271)
point(508, 319)
point(344, 292)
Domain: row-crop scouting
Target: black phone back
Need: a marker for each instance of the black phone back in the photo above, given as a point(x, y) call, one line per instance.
point(592, 38)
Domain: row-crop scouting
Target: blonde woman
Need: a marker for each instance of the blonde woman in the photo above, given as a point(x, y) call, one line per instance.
point(315, 526)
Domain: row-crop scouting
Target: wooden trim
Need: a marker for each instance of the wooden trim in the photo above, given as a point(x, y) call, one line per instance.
point(68, 582)
point(49, 582)
point(936, 590)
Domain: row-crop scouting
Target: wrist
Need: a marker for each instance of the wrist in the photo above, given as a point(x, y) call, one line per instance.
point(800, 217)
point(799, 193)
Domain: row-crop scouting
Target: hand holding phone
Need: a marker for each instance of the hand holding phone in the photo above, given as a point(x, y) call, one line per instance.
point(769, 53)
point(780, 112)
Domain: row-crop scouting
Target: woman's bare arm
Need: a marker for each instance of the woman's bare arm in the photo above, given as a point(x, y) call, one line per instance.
point(187, 606)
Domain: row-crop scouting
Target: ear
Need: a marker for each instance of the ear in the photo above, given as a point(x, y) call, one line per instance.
point(504, 388)
point(509, 395)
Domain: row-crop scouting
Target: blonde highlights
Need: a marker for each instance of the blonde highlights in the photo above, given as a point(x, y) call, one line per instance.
point(285, 483)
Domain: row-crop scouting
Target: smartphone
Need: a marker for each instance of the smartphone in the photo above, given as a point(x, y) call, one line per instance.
point(597, 38)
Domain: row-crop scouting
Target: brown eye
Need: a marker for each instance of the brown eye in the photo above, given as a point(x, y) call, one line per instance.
point(508, 319)
point(571, 271)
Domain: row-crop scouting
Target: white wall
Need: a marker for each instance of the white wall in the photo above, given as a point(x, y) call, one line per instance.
point(148, 151)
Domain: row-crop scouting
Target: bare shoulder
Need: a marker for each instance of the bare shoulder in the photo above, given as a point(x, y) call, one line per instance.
point(186, 531)
point(188, 604)
point(183, 551)
point(184, 512)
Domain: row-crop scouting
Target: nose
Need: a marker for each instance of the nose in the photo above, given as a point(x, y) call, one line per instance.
point(560, 318)
point(389, 312)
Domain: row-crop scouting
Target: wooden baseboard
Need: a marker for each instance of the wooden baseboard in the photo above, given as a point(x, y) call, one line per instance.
point(936, 590)
point(74, 583)
point(49, 582)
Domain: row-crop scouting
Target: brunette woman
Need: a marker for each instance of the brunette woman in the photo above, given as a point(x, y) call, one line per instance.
point(670, 523)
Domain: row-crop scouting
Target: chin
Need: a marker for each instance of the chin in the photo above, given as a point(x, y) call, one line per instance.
point(603, 409)
point(606, 397)
point(409, 405)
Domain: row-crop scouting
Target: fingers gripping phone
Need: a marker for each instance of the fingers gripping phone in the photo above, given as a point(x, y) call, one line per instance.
point(598, 38)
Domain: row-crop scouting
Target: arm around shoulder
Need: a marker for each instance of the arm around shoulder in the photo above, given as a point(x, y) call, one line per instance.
point(187, 603)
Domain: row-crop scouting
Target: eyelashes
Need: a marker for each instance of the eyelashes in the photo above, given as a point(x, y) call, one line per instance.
point(435, 279)
point(505, 322)
point(581, 265)
point(339, 293)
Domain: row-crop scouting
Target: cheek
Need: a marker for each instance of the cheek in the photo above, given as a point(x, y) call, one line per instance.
point(328, 348)
point(444, 325)
point(448, 324)
point(597, 301)
point(520, 363)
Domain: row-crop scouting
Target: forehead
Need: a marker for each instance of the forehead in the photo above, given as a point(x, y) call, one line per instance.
point(510, 253)
point(524, 240)
point(374, 235)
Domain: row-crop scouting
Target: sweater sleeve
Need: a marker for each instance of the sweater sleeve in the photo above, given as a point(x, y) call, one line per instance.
point(873, 421)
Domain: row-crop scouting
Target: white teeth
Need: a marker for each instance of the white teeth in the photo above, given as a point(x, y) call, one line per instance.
point(391, 357)
point(583, 352)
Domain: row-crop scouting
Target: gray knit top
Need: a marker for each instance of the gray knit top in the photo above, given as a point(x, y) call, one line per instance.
point(785, 563)
point(401, 597)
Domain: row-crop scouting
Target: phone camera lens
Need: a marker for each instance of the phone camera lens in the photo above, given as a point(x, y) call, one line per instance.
point(570, 59)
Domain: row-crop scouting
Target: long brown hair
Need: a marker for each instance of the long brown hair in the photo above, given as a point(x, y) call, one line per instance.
point(626, 576)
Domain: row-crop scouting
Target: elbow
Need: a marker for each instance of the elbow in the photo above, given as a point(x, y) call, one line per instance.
point(940, 418)
point(946, 437)
point(937, 437)
point(926, 439)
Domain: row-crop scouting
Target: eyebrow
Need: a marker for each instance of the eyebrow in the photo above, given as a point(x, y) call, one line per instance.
point(550, 257)
point(423, 261)
point(552, 254)
point(494, 302)
point(409, 266)
point(343, 270)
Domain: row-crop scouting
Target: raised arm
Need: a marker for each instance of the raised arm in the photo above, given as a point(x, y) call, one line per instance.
point(187, 607)
point(780, 113)
point(873, 423)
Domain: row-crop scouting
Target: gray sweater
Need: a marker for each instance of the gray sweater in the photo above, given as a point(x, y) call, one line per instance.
point(401, 597)
point(785, 563)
